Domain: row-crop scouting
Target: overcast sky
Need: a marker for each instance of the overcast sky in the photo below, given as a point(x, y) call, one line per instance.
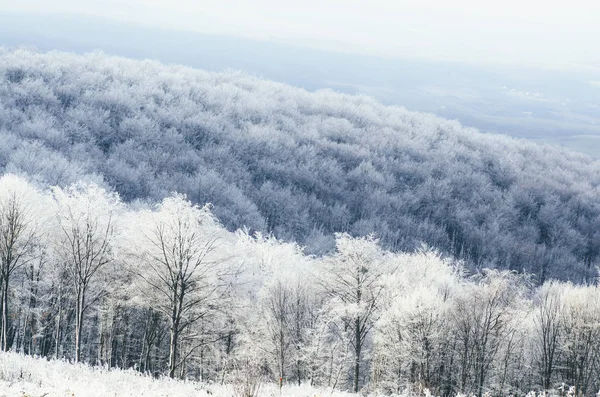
point(518, 32)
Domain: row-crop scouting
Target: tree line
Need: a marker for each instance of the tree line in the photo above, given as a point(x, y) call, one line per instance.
point(300, 165)
point(167, 290)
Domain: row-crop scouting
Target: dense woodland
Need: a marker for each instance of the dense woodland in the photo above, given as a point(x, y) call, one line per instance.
point(165, 289)
point(315, 238)
point(299, 165)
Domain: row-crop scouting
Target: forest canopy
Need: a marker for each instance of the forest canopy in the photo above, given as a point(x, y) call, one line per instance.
point(299, 165)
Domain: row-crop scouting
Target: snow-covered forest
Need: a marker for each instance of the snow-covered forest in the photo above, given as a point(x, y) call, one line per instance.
point(166, 290)
point(299, 165)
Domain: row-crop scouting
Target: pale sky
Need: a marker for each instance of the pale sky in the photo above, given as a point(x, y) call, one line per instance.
point(519, 32)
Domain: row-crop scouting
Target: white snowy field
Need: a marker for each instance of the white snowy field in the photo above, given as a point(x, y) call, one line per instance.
point(33, 377)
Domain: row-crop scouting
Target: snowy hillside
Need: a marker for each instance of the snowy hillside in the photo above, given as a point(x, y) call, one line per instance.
point(34, 377)
point(101, 264)
point(301, 165)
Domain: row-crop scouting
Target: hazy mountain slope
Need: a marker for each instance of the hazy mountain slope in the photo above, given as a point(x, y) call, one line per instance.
point(299, 164)
point(552, 106)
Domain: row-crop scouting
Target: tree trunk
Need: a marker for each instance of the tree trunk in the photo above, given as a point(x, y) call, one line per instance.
point(175, 318)
point(5, 313)
point(357, 351)
point(178, 297)
point(79, 321)
point(58, 321)
point(173, 351)
point(481, 375)
point(1, 316)
point(281, 353)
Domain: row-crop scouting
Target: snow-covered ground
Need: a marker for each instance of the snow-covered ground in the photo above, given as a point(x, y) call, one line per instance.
point(28, 376)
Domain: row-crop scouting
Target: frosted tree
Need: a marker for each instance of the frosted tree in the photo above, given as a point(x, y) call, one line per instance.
point(353, 280)
point(275, 275)
point(181, 267)
point(485, 314)
point(581, 337)
point(411, 336)
point(287, 315)
point(548, 318)
point(21, 221)
point(408, 339)
point(86, 217)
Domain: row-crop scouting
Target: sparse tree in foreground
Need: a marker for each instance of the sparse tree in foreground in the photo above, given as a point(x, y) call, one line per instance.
point(548, 317)
point(20, 228)
point(180, 268)
point(485, 314)
point(353, 279)
point(86, 216)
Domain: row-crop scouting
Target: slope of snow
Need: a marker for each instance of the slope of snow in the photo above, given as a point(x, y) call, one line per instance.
point(32, 377)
